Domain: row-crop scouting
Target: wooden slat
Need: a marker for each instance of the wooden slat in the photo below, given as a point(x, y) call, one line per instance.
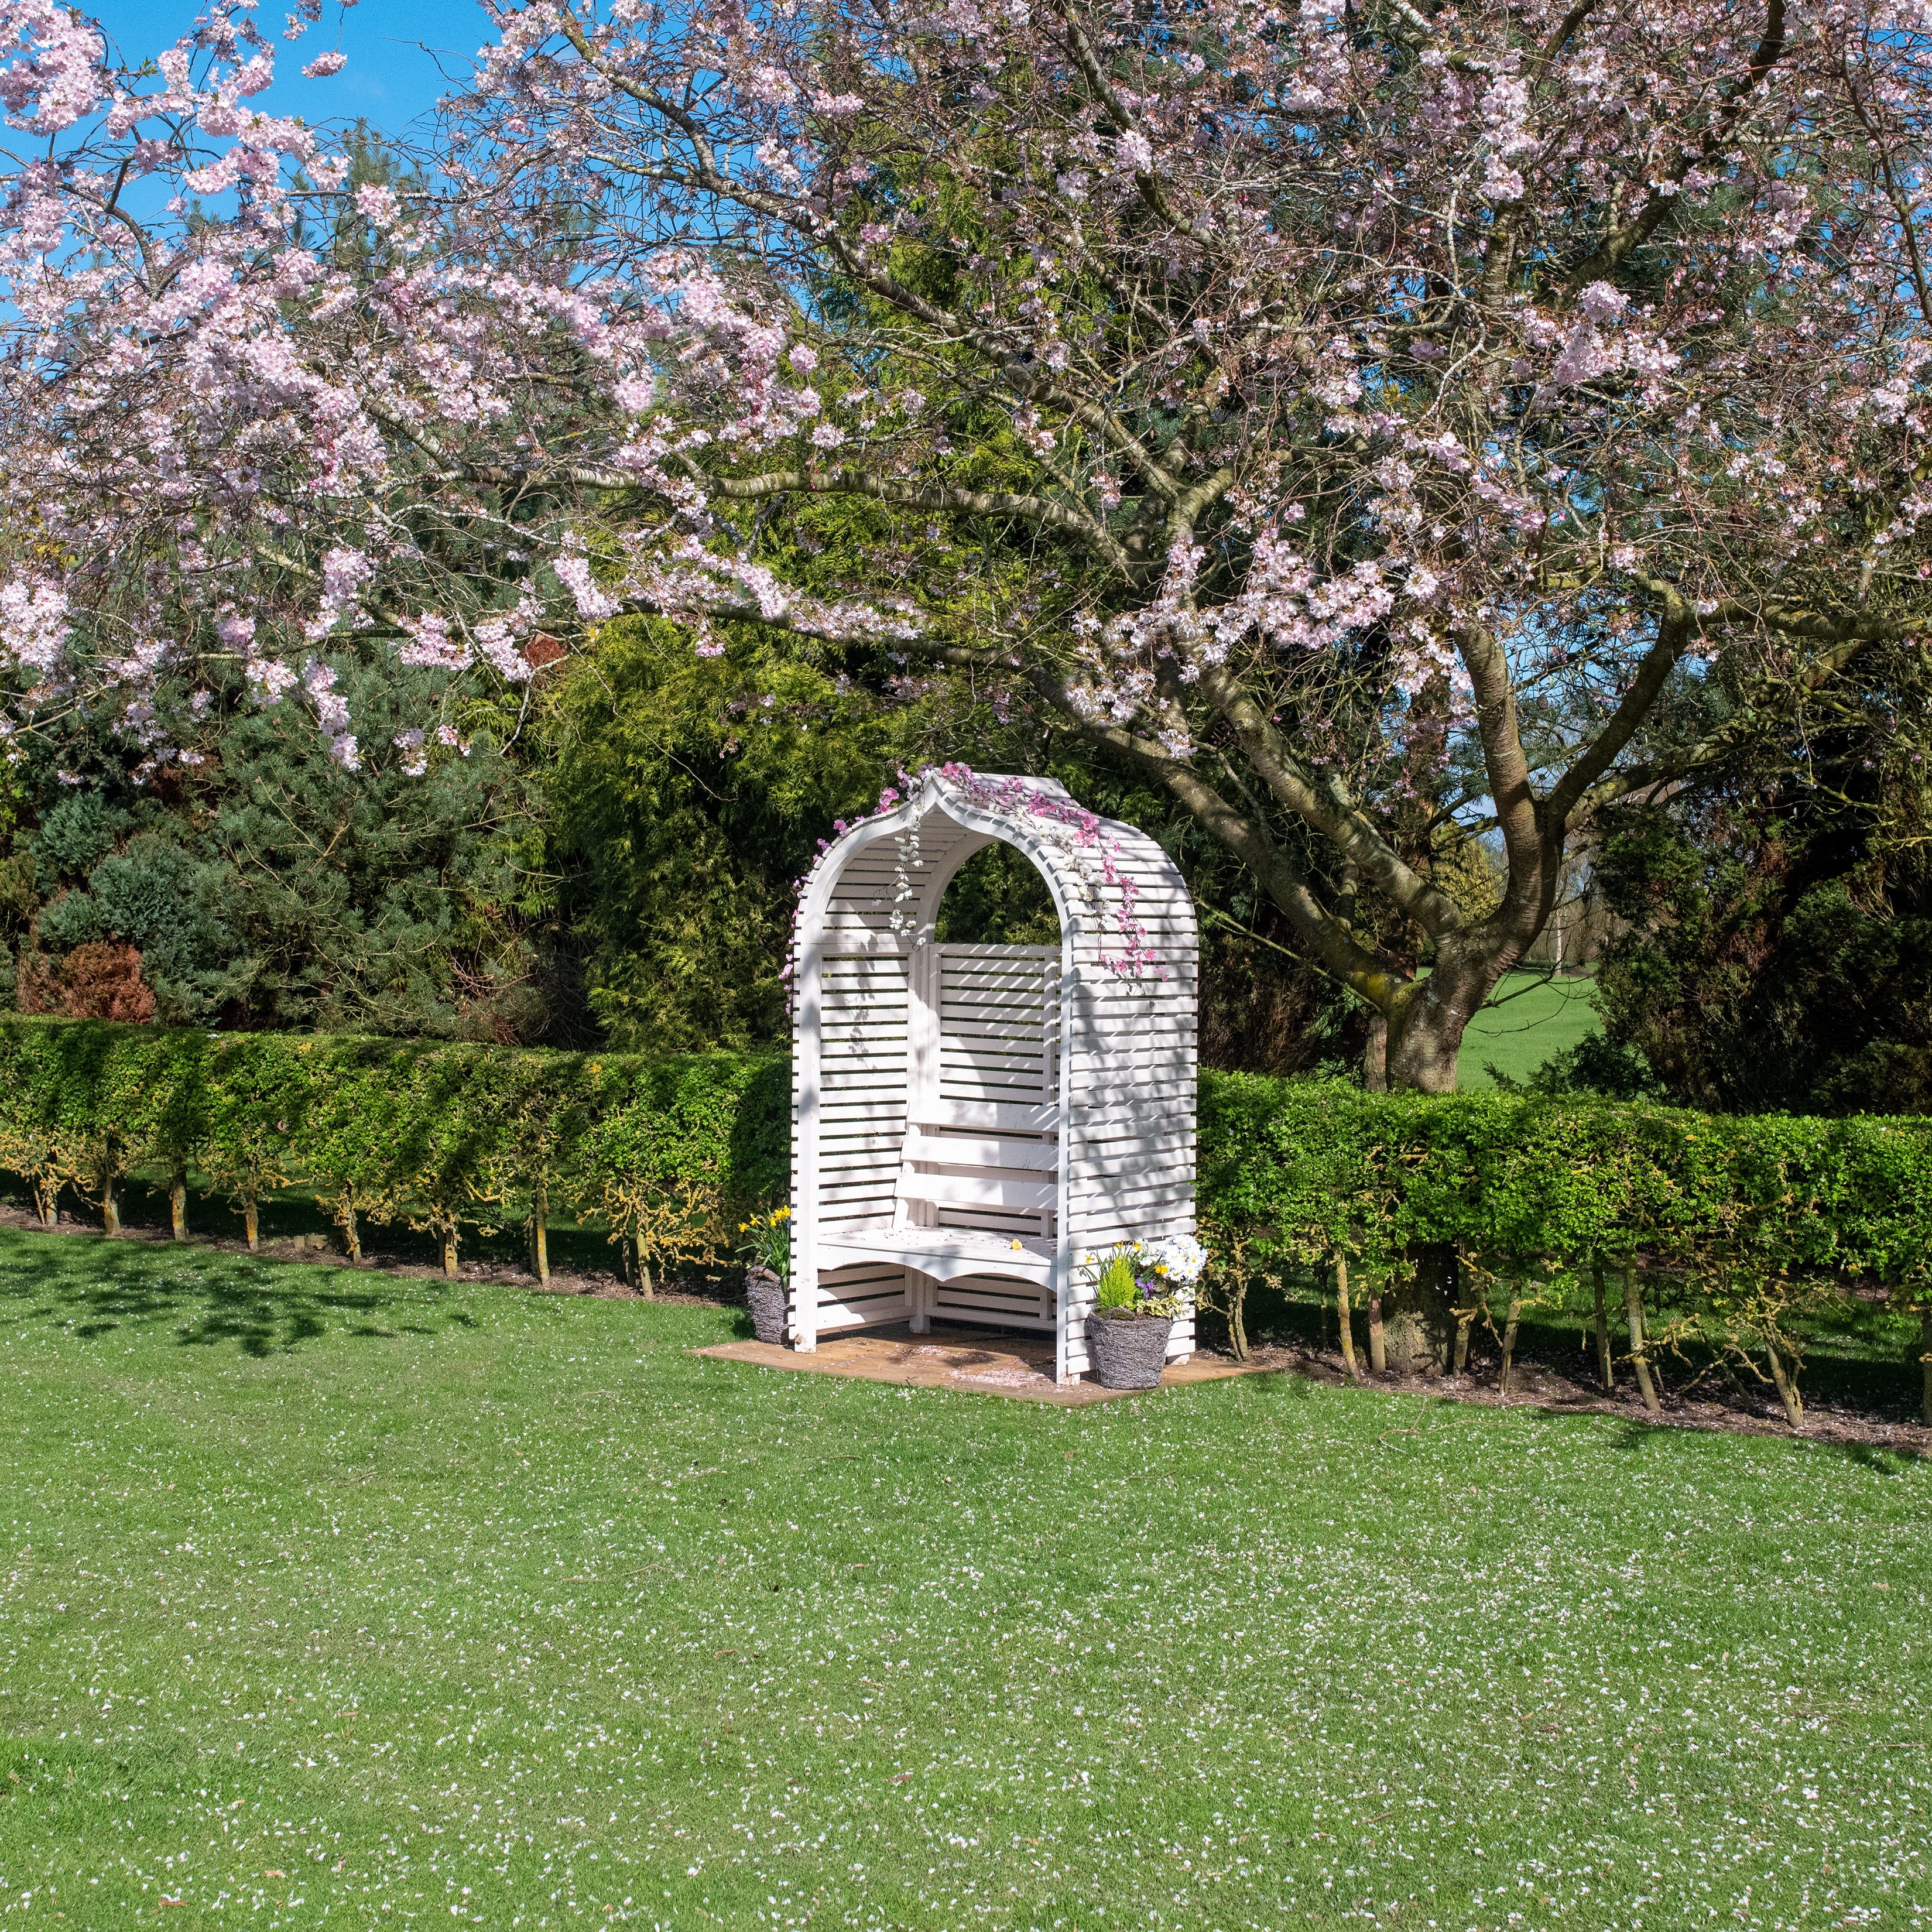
point(1039, 1117)
point(1124, 1144)
point(995, 949)
point(1025, 1308)
point(984, 1028)
point(974, 1190)
point(862, 1147)
point(954, 1150)
point(1001, 1069)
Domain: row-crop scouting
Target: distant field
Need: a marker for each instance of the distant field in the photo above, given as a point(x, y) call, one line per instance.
point(1536, 1018)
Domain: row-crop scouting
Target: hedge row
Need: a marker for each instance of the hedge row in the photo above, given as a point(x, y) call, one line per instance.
point(663, 1152)
point(1729, 1238)
point(1729, 1232)
point(1521, 1177)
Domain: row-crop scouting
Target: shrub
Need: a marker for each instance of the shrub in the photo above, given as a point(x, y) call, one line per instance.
point(1730, 1237)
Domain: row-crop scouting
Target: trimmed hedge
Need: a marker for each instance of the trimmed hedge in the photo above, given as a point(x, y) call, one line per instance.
point(662, 1151)
point(1738, 1235)
point(1732, 1238)
point(1519, 1178)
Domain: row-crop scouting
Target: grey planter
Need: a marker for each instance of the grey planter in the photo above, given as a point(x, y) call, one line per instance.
point(766, 1294)
point(1129, 1351)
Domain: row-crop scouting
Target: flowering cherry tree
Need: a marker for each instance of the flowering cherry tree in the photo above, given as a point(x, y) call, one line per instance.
point(1532, 392)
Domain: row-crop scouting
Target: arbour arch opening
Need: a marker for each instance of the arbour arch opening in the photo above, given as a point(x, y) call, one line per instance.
point(968, 1117)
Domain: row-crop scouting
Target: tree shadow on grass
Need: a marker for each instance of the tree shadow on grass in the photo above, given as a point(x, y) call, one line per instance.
point(94, 1287)
point(1637, 1435)
point(1280, 1383)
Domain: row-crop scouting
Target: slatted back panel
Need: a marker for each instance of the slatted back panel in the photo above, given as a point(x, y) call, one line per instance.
point(986, 1025)
point(986, 1298)
point(999, 1023)
point(868, 1291)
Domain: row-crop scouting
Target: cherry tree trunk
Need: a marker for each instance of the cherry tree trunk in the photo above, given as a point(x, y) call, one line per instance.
point(1418, 1327)
point(1425, 1030)
point(1375, 1055)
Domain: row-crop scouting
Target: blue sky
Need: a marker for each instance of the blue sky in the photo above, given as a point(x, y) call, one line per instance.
point(393, 77)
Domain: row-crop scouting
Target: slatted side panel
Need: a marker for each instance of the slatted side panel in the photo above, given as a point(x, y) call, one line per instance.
point(1133, 1066)
point(862, 1086)
point(864, 897)
point(1017, 1304)
point(867, 1292)
point(998, 1008)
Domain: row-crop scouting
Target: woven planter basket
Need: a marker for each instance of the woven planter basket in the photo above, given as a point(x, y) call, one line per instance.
point(766, 1294)
point(1129, 1351)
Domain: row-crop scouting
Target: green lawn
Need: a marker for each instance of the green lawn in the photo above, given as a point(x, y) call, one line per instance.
point(1535, 1017)
point(330, 1598)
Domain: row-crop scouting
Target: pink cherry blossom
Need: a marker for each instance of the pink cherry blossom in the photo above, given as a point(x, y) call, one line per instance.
point(1349, 381)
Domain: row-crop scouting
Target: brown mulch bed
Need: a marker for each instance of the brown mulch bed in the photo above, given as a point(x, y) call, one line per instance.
point(1535, 1383)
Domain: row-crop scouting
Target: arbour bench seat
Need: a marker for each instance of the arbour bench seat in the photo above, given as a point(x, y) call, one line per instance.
point(946, 1254)
point(971, 1117)
point(976, 1163)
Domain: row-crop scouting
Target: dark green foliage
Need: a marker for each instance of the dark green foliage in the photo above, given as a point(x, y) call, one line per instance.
point(1771, 958)
point(268, 886)
point(998, 898)
point(156, 897)
point(372, 900)
point(688, 795)
point(72, 920)
point(76, 832)
point(1597, 1064)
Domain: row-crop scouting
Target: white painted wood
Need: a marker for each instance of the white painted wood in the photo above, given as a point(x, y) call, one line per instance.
point(950, 1100)
point(987, 1150)
point(919, 1182)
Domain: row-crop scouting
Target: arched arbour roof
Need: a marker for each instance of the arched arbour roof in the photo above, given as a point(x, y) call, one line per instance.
point(1072, 1067)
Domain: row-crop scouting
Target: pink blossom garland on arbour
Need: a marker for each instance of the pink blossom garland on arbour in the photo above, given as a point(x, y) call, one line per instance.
point(1073, 828)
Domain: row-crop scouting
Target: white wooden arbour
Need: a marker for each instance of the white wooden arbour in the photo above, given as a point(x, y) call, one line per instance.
point(966, 1121)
